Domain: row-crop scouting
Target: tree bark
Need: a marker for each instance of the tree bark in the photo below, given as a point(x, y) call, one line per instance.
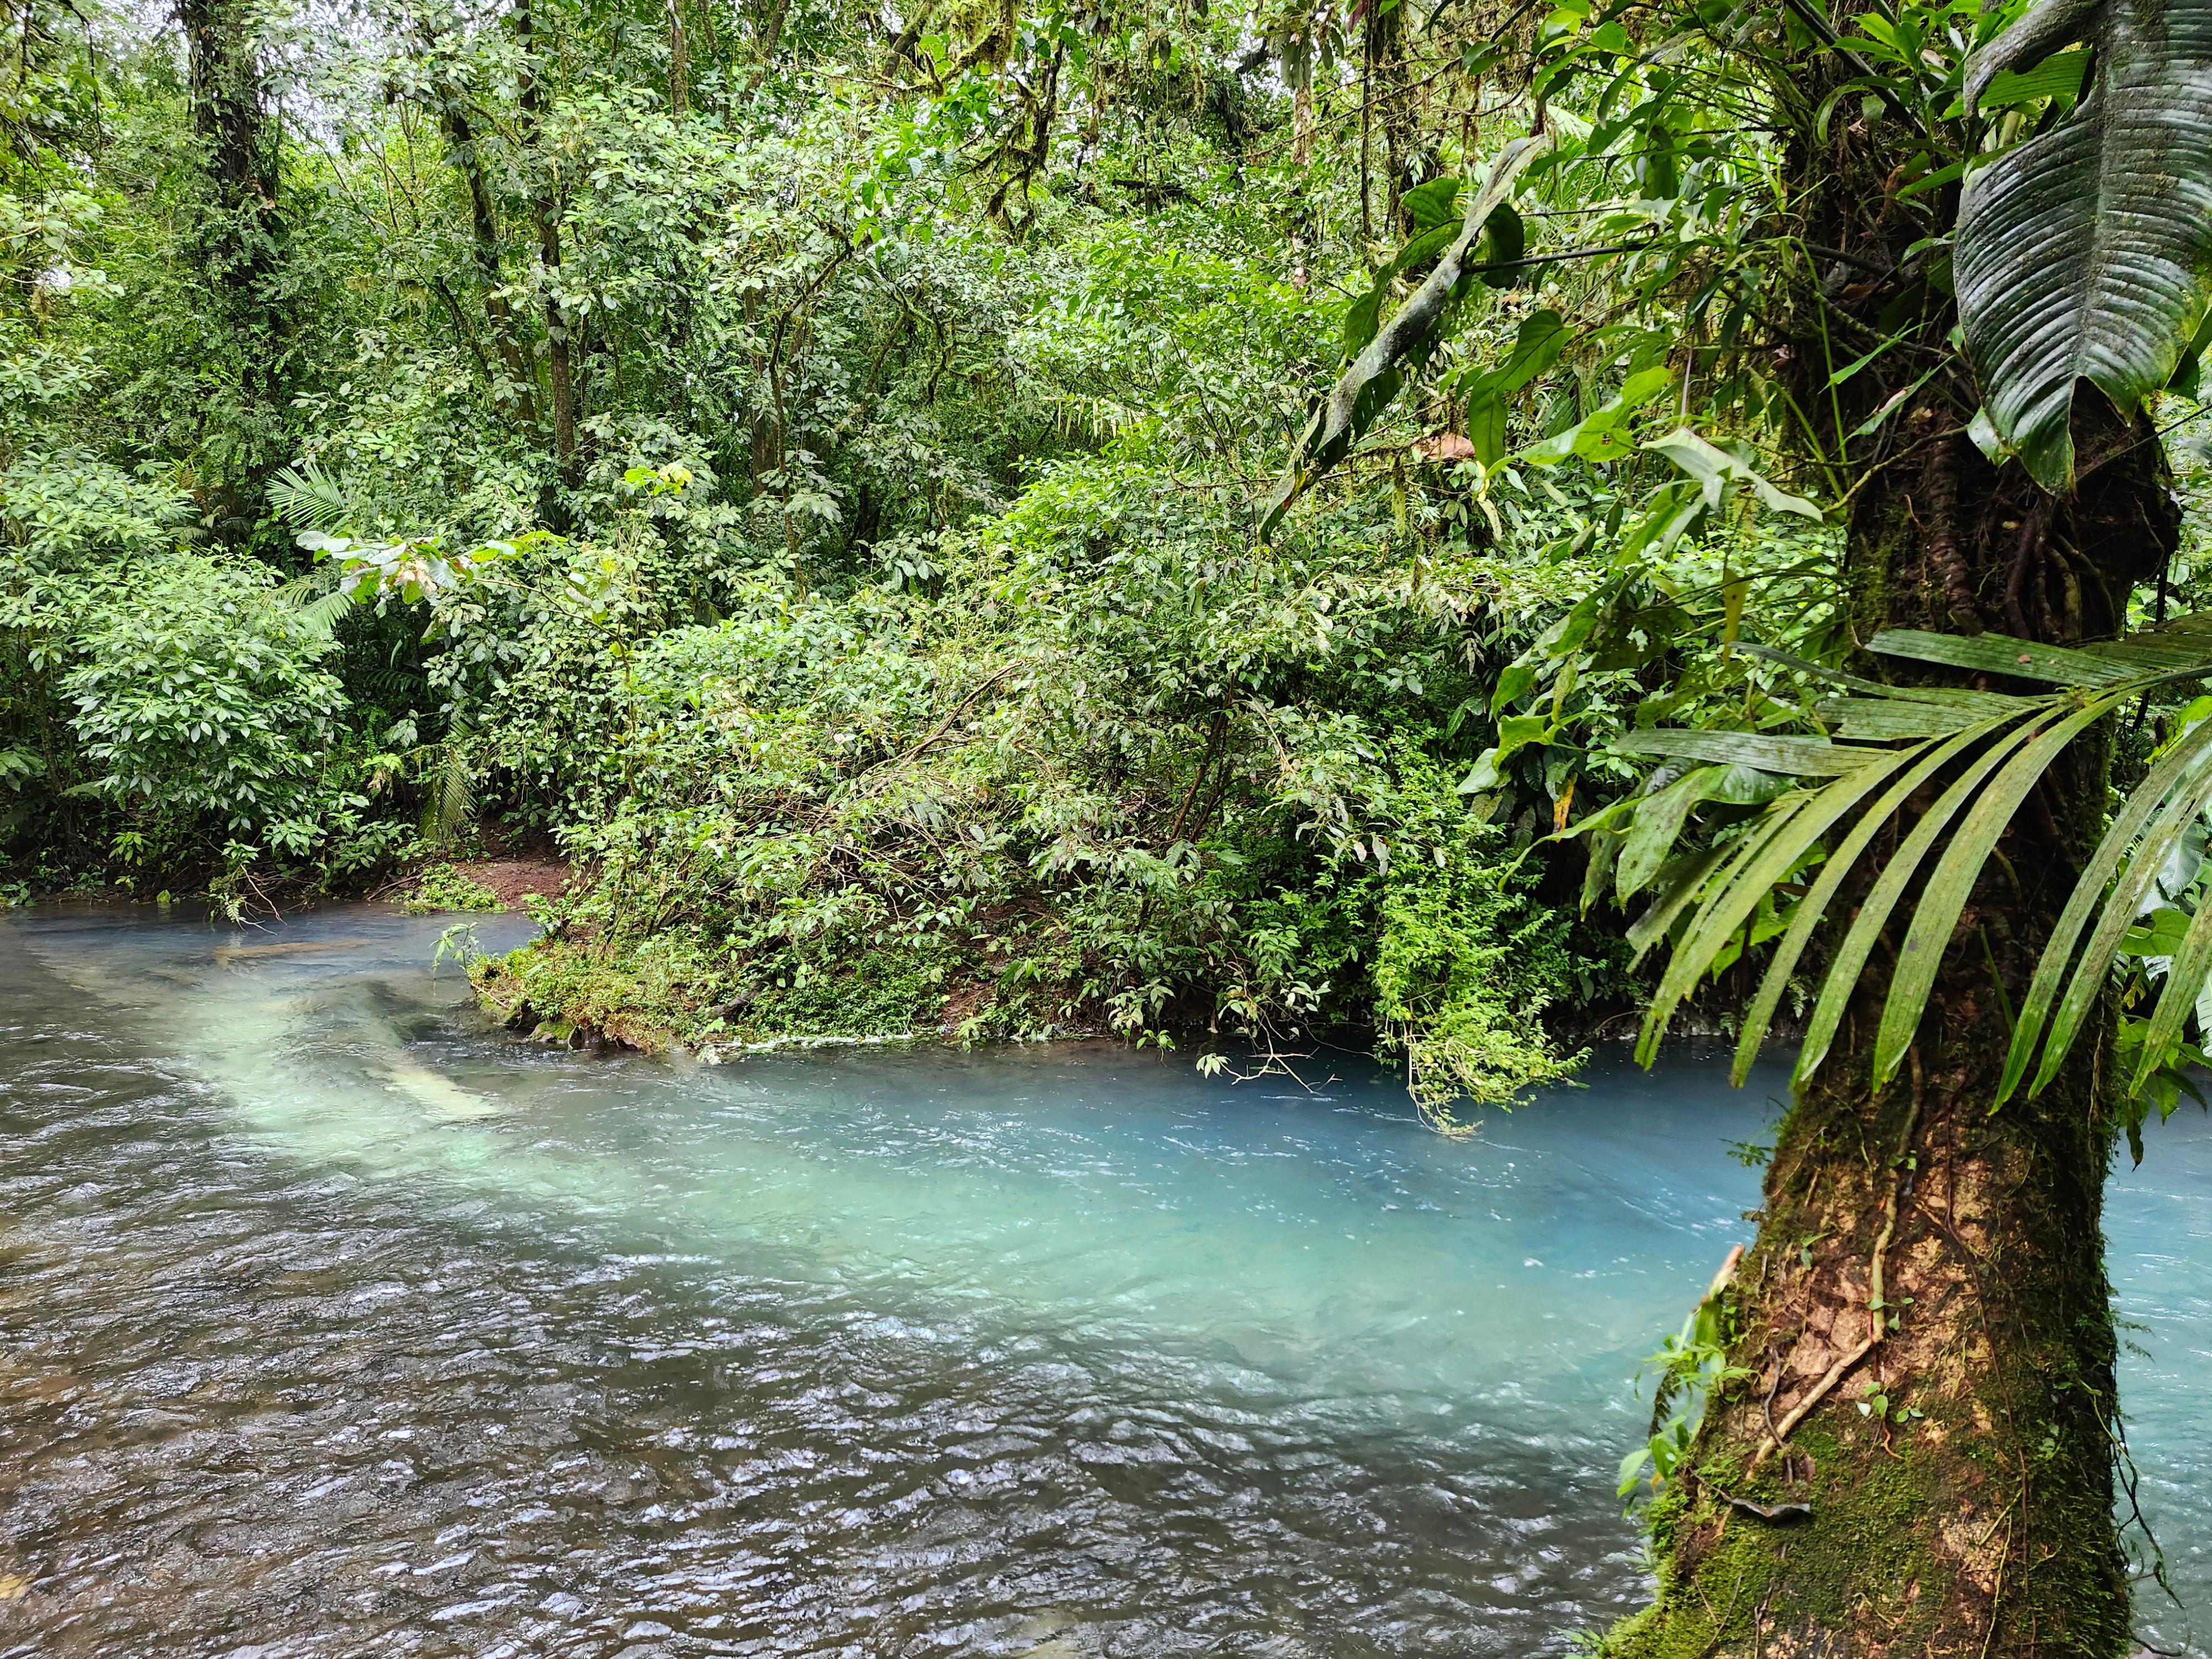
point(238, 153)
point(546, 220)
point(679, 62)
point(240, 244)
point(461, 144)
point(1921, 1329)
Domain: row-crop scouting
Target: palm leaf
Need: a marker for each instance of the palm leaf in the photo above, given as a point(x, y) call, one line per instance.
point(308, 498)
point(2174, 813)
point(2178, 999)
point(1675, 896)
point(1945, 897)
point(1722, 878)
point(1790, 757)
point(1788, 839)
point(1997, 747)
point(2002, 654)
point(2085, 252)
point(1931, 759)
point(1873, 913)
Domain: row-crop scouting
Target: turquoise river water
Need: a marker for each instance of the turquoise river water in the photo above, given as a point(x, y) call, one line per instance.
point(333, 1321)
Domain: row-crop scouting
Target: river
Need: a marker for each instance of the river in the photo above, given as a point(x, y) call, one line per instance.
point(333, 1321)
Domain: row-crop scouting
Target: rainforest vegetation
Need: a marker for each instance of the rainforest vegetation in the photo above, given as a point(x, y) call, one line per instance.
point(1469, 523)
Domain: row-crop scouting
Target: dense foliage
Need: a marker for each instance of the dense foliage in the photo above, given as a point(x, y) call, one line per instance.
point(898, 397)
point(858, 485)
point(1453, 521)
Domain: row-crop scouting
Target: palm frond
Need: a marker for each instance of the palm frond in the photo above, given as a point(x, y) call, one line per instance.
point(450, 801)
point(1989, 749)
point(316, 604)
point(308, 498)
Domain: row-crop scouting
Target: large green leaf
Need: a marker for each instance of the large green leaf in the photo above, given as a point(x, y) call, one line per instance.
point(1988, 750)
point(2085, 252)
point(1814, 906)
point(1793, 830)
point(2173, 813)
point(1889, 889)
point(2000, 653)
point(2155, 797)
point(2184, 974)
point(1945, 897)
point(1367, 387)
point(1791, 757)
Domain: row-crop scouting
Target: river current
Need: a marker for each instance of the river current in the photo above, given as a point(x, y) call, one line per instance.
point(333, 1321)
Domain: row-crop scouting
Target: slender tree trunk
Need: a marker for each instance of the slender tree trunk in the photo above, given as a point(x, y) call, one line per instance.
point(546, 220)
point(708, 37)
point(242, 244)
point(1301, 132)
point(231, 126)
point(484, 237)
point(679, 62)
point(771, 35)
point(560, 370)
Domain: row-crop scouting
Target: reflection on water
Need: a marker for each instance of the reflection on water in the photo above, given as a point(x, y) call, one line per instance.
point(333, 1323)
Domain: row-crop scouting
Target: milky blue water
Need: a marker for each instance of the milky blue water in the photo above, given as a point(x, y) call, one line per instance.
point(334, 1322)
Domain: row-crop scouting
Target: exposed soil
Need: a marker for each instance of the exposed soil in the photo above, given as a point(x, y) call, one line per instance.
point(513, 878)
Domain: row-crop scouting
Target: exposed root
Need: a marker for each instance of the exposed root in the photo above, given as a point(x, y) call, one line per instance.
point(1877, 1318)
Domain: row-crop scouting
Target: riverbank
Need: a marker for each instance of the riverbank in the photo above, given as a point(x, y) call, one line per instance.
point(666, 994)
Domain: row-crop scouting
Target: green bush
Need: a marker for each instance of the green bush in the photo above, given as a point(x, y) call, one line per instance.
point(447, 887)
point(201, 700)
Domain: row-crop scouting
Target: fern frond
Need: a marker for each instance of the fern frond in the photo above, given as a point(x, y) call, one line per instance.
point(308, 498)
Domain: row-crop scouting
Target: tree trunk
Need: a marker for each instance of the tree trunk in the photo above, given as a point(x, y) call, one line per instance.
point(240, 244)
point(461, 144)
point(1921, 1330)
point(679, 62)
point(546, 220)
point(233, 130)
point(558, 362)
point(1920, 1260)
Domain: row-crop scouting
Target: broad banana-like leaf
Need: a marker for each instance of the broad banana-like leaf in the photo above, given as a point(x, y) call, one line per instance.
point(1373, 378)
point(2085, 252)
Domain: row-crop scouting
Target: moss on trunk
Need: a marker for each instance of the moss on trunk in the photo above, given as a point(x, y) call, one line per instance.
point(1923, 1327)
point(1924, 1323)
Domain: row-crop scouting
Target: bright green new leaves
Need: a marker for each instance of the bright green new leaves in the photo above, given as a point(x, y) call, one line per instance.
point(2085, 254)
point(1607, 433)
point(1715, 469)
point(1989, 750)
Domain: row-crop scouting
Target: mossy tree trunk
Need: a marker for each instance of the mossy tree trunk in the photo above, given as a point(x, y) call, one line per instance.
point(239, 242)
point(1917, 1457)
